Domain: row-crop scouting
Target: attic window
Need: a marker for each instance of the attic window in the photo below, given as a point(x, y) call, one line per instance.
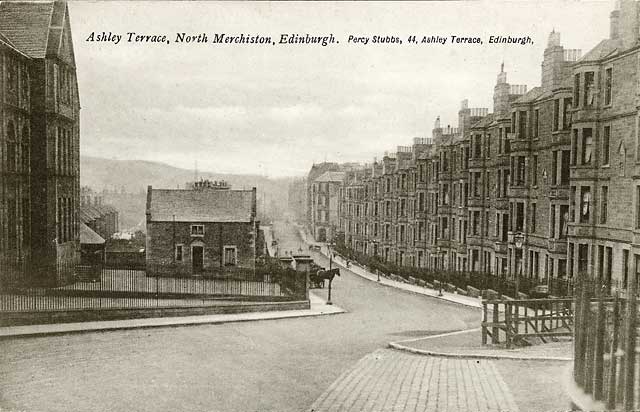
point(197, 230)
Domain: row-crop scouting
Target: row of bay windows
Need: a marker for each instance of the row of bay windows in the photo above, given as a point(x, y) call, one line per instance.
point(559, 217)
point(527, 124)
point(585, 89)
point(599, 261)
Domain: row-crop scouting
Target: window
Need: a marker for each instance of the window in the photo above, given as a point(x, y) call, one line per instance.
point(589, 89)
point(476, 184)
point(566, 113)
point(486, 224)
point(487, 182)
point(197, 230)
point(564, 167)
point(552, 223)
point(576, 88)
point(554, 167)
point(520, 181)
point(608, 77)
point(583, 258)
point(179, 253)
point(522, 125)
point(625, 267)
point(605, 145)
point(520, 216)
point(587, 140)
point(230, 256)
point(603, 204)
point(13, 222)
point(556, 114)
point(574, 147)
point(637, 207)
point(585, 204)
point(476, 222)
point(564, 219)
point(533, 217)
point(536, 123)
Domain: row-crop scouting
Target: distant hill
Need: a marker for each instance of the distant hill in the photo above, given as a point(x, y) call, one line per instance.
point(115, 178)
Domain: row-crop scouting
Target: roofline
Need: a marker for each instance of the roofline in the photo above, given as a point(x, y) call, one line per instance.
point(199, 221)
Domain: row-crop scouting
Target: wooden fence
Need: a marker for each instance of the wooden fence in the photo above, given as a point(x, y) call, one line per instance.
point(605, 359)
point(510, 321)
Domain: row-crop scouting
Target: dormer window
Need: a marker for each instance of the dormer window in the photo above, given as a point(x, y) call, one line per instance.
point(197, 230)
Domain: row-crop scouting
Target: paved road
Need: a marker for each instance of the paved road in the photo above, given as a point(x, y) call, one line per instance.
point(279, 365)
point(389, 380)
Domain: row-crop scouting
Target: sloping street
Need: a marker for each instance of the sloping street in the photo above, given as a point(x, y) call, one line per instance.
point(278, 365)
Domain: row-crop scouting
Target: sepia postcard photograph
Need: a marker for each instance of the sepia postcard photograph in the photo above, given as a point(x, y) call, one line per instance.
point(323, 206)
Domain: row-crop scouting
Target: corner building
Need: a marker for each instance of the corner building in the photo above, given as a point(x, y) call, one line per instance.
point(40, 135)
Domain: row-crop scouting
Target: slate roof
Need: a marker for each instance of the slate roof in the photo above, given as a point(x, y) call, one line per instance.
point(88, 236)
point(206, 206)
point(603, 49)
point(26, 25)
point(92, 212)
point(530, 96)
point(484, 122)
point(330, 177)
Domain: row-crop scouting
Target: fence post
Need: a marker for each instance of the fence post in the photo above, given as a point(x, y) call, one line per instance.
point(611, 390)
point(507, 323)
point(484, 321)
point(495, 331)
point(630, 343)
point(598, 374)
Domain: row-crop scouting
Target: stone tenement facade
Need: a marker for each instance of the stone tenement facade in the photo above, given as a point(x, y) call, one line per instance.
point(39, 142)
point(545, 186)
point(203, 230)
point(324, 205)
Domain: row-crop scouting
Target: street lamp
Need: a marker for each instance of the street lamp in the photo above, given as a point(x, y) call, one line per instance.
point(438, 253)
point(518, 240)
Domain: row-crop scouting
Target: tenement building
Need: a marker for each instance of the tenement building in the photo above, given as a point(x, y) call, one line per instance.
point(39, 143)
point(546, 186)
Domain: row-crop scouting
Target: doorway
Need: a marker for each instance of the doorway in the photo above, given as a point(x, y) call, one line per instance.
point(197, 258)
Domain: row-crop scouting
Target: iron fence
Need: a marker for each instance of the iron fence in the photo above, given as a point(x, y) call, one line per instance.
point(558, 287)
point(99, 287)
point(606, 365)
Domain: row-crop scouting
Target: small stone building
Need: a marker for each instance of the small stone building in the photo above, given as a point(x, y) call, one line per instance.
point(206, 230)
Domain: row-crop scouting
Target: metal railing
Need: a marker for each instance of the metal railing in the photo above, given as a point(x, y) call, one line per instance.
point(606, 364)
point(100, 287)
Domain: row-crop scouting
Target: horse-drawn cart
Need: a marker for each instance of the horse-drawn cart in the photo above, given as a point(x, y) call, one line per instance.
point(315, 281)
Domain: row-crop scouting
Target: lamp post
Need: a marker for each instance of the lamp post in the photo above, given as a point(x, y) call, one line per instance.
point(438, 254)
point(518, 240)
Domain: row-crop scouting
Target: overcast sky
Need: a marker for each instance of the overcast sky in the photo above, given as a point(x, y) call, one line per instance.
point(274, 110)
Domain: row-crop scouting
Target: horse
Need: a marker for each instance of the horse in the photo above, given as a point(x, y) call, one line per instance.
point(329, 275)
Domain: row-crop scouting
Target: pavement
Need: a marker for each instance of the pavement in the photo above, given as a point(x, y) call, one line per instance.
point(467, 344)
point(388, 380)
point(317, 303)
